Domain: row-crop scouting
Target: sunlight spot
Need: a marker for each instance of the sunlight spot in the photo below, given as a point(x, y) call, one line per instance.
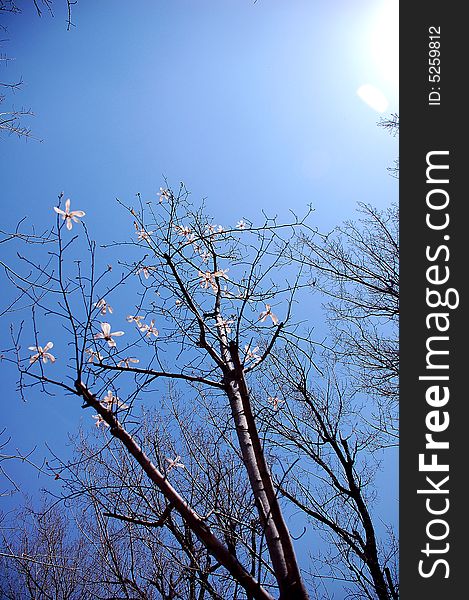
point(374, 97)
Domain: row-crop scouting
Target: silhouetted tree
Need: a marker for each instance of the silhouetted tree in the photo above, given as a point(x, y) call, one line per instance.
point(188, 500)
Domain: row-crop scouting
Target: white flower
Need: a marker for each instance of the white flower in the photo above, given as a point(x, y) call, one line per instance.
point(221, 273)
point(110, 400)
point(106, 334)
point(125, 363)
point(164, 194)
point(252, 354)
point(174, 463)
point(69, 215)
point(268, 313)
point(135, 320)
point(103, 306)
point(241, 224)
point(179, 302)
point(185, 231)
point(208, 278)
point(142, 233)
point(145, 271)
point(94, 355)
point(100, 420)
point(214, 229)
point(149, 330)
point(42, 353)
point(275, 401)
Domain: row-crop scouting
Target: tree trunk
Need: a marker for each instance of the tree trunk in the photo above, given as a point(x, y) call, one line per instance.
point(278, 538)
point(197, 525)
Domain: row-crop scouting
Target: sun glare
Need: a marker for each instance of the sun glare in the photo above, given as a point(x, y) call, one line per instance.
point(382, 47)
point(374, 97)
point(385, 41)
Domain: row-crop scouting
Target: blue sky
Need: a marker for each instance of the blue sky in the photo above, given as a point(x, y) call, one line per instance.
point(253, 105)
point(250, 104)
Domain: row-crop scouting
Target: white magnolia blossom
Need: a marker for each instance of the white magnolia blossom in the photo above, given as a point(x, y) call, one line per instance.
point(183, 230)
point(69, 215)
point(241, 224)
point(268, 313)
point(275, 401)
point(186, 232)
point(110, 401)
point(93, 354)
point(174, 463)
point(100, 421)
point(164, 194)
point(214, 228)
point(135, 319)
point(145, 271)
point(107, 335)
point(252, 354)
point(149, 330)
point(104, 307)
point(208, 278)
point(125, 363)
point(42, 353)
point(142, 233)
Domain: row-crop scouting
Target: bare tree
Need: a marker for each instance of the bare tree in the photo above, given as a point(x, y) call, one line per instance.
point(10, 486)
point(391, 125)
point(210, 315)
point(357, 267)
point(41, 559)
point(12, 7)
point(166, 557)
point(12, 120)
point(137, 544)
point(329, 460)
point(188, 500)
